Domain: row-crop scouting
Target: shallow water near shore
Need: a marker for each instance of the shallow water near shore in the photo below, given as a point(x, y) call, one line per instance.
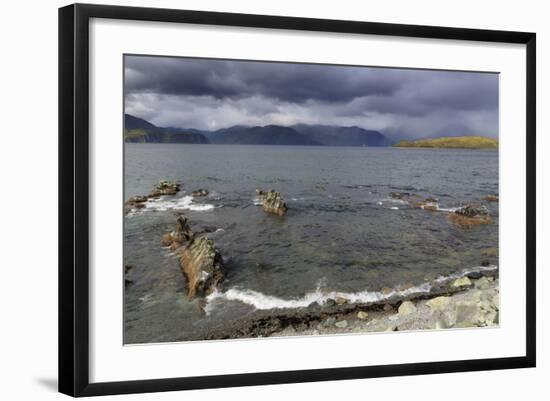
point(343, 234)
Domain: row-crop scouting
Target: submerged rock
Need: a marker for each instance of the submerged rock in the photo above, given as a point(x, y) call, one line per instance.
point(399, 195)
point(272, 202)
point(491, 198)
point(201, 263)
point(200, 192)
point(164, 188)
point(470, 216)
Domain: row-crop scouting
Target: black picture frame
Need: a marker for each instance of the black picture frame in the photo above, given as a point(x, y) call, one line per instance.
point(74, 201)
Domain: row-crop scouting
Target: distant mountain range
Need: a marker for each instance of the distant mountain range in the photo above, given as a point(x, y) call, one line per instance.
point(139, 130)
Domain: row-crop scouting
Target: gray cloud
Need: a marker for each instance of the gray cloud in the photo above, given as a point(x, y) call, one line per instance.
point(210, 94)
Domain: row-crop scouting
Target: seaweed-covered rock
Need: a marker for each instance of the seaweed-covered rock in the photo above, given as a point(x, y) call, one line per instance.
point(470, 216)
point(472, 211)
point(272, 202)
point(164, 188)
point(200, 192)
point(201, 263)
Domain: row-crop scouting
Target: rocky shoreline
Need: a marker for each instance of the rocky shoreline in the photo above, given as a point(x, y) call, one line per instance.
point(467, 300)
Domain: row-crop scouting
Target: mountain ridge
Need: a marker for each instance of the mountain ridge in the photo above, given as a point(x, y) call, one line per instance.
point(140, 130)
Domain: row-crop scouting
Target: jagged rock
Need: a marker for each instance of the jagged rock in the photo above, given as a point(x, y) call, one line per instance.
point(260, 193)
point(362, 315)
point(164, 188)
point(200, 192)
point(201, 264)
point(387, 308)
point(406, 308)
point(470, 216)
point(272, 202)
point(491, 198)
point(127, 268)
point(181, 234)
point(461, 282)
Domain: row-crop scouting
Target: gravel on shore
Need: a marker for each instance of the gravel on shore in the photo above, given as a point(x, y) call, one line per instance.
point(477, 306)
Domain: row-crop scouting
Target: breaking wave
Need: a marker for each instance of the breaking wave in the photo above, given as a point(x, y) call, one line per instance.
point(183, 203)
point(262, 301)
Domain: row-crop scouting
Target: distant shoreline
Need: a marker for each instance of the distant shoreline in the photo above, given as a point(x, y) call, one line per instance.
point(459, 142)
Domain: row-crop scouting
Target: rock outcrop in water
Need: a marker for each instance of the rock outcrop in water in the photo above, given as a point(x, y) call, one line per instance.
point(179, 236)
point(135, 202)
point(162, 188)
point(199, 260)
point(200, 192)
point(430, 204)
point(470, 216)
point(201, 263)
point(272, 202)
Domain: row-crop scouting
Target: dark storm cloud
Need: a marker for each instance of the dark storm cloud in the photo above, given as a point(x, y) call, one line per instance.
point(210, 94)
point(230, 79)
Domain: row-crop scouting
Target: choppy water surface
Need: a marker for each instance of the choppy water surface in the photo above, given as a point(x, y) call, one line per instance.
point(342, 234)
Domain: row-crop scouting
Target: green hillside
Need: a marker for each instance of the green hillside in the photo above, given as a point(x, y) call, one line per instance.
point(459, 142)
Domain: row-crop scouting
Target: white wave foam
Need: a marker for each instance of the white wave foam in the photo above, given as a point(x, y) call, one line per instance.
point(394, 208)
point(262, 301)
point(257, 202)
point(182, 203)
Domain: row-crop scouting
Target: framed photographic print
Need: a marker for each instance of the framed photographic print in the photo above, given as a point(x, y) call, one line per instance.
point(278, 199)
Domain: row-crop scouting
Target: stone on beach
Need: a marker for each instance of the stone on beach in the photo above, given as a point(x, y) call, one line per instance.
point(362, 315)
point(439, 303)
point(406, 308)
point(341, 324)
point(461, 282)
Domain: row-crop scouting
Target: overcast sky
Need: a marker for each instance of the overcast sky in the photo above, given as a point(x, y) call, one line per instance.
point(212, 94)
